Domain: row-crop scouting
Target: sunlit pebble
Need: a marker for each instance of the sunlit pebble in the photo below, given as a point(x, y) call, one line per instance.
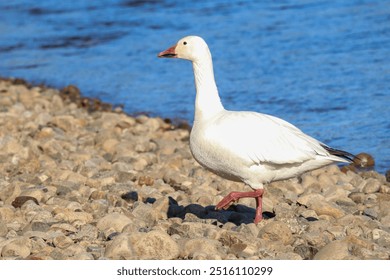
point(363, 160)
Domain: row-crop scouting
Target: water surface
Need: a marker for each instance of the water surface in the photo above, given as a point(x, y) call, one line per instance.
point(321, 65)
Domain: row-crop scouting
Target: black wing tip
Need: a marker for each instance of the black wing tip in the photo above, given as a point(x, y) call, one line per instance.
point(340, 153)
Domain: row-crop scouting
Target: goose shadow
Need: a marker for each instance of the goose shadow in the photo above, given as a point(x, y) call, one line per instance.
point(237, 214)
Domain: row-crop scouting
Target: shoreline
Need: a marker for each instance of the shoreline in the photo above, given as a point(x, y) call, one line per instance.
point(71, 93)
point(82, 180)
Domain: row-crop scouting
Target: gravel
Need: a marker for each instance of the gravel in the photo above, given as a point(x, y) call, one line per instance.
point(79, 180)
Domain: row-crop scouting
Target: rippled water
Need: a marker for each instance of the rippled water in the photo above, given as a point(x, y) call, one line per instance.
point(322, 65)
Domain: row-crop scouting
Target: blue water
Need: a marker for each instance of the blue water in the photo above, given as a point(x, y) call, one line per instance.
point(321, 65)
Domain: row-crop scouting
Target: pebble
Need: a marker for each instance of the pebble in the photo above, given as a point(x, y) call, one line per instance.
point(18, 247)
point(156, 245)
point(115, 221)
point(78, 182)
point(201, 248)
point(120, 248)
point(20, 200)
point(276, 231)
point(3, 228)
point(335, 250)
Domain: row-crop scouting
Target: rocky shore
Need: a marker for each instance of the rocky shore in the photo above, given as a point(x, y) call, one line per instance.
point(81, 181)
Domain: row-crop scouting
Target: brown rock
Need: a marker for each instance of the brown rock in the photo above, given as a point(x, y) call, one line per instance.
point(20, 200)
point(195, 248)
point(18, 247)
point(336, 250)
point(115, 221)
point(156, 245)
point(62, 241)
point(327, 208)
point(277, 231)
point(120, 248)
point(371, 185)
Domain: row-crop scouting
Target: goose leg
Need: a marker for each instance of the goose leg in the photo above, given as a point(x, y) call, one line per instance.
point(235, 196)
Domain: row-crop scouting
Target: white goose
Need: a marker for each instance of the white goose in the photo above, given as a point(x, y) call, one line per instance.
point(245, 146)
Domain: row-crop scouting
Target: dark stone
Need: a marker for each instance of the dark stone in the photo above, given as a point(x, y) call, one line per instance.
point(311, 219)
point(130, 196)
point(20, 200)
point(150, 200)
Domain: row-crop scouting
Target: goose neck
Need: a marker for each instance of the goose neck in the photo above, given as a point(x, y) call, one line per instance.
point(208, 102)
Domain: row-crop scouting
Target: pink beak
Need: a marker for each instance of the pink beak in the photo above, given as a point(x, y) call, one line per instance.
point(169, 52)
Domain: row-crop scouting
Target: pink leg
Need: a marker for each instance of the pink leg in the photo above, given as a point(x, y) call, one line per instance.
point(235, 196)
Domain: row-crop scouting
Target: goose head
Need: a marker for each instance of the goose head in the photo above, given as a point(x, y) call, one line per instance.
point(191, 48)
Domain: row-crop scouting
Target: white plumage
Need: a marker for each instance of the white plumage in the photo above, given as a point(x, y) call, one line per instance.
point(244, 146)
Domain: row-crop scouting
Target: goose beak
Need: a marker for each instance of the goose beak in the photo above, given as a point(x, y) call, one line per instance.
point(169, 52)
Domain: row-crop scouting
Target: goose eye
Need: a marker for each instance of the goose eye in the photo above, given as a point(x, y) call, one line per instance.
point(184, 43)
